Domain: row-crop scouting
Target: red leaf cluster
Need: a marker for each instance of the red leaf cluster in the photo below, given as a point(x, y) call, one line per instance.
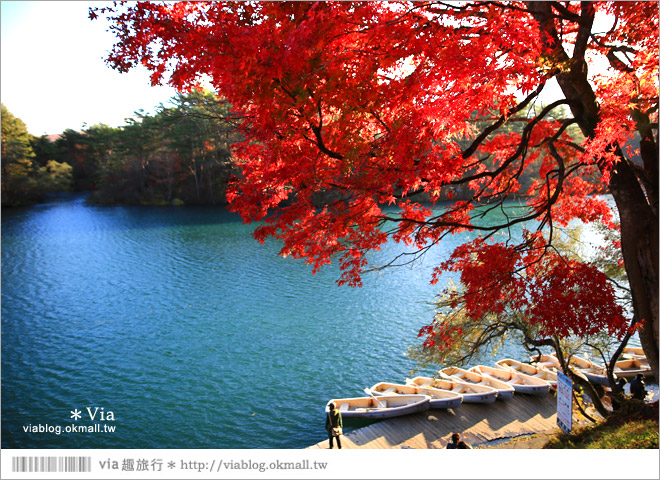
point(562, 296)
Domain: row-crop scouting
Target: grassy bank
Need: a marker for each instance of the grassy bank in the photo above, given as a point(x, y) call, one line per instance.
point(636, 427)
point(634, 434)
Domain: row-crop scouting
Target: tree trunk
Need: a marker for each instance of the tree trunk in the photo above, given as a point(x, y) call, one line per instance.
point(639, 246)
point(639, 219)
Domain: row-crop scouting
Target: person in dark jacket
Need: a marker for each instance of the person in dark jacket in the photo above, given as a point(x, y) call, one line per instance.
point(637, 387)
point(333, 421)
point(456, 442)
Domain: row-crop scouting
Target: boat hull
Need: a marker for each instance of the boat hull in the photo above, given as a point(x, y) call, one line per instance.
point(531, 389)
point(470, 393)
point(631, 367)
point(440, 399)
point(531, 370)
point(633, 352)
point(505, 395)
point(591, 371)
point(595, 377)
point(445, 403)
point(504, 390)
point(520, 382)
point(368, 407)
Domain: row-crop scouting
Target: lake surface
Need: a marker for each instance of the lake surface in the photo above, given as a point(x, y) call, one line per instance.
point(186, 331)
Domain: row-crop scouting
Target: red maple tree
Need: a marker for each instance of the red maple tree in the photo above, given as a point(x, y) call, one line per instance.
point(348, 107)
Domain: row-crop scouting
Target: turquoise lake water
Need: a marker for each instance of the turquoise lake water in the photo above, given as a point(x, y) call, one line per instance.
point(186, 331)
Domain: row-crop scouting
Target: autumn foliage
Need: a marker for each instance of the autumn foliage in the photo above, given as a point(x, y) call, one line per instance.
point(350, 107)
point(561, 296)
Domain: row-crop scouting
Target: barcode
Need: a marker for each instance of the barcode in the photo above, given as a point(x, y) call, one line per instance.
point(51, 464)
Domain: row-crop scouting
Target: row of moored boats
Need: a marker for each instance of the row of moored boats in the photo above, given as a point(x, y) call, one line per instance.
point(453, 386)
point(633, 362)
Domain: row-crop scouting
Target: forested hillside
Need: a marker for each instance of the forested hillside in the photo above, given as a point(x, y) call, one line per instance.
point(179, 155)
point(26, 176)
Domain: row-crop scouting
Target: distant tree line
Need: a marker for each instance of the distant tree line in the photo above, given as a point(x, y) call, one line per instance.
point(27, 177)
point(179, 155)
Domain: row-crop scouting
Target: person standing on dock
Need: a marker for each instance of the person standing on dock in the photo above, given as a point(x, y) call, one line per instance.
point(334, 425)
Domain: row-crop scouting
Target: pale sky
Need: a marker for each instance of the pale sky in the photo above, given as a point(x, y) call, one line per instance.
point(53, 74)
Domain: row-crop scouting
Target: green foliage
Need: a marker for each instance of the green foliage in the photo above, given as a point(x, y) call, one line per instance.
point(55, 177)
point(19, 185)
point(15, 139)
point(461, 340)
point(28, 171)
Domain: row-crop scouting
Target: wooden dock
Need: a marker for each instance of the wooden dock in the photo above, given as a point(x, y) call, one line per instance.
point(477, 423)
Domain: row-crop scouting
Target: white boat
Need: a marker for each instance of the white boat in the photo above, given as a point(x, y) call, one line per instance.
point(593, 372)
point(531, 370)
point(380, 407)
point(439, 398)
point(549, 362)
point(633, 352)
point(470, 393)
point(630, 367)
point(504, 390)
point(519, 381)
